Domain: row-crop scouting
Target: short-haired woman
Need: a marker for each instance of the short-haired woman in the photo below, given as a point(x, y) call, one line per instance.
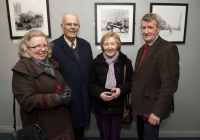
point(107, 87)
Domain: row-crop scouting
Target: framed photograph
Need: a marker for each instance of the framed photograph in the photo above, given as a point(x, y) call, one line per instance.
point(115, 17)
point(173, 18)
point(25, 15)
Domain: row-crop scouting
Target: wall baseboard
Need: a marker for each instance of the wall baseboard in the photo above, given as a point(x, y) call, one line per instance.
point(124, 133)
point(133, 133)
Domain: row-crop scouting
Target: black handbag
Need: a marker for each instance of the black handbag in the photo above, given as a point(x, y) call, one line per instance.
point(32, 132)
point(127, 115)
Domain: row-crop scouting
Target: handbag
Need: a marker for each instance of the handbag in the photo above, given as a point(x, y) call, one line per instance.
point(32, 132)
point(127, 115)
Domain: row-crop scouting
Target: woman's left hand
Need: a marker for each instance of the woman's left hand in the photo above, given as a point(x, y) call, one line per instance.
point(117, 93)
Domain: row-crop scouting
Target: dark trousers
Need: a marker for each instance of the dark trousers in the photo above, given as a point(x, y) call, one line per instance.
point(109, 126)
point(146, 131)
point(79, 133)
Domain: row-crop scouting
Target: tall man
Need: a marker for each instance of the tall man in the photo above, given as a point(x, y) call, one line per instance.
point(74, 55)
point(155, 79)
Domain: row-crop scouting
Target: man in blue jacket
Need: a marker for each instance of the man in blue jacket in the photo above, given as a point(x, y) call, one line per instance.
point(74, 55)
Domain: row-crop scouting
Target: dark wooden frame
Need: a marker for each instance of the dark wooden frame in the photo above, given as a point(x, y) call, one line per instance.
point(176, 34)
point(18, 29)
point(129, 22)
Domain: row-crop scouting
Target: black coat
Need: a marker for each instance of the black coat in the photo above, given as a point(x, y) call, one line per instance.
point(76, 75)
point(98, 79)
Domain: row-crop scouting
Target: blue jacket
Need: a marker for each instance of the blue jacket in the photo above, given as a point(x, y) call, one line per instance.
point(76, 74)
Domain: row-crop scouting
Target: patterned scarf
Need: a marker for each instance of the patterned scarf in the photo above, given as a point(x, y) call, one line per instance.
point(111, 80)
point(46, 65)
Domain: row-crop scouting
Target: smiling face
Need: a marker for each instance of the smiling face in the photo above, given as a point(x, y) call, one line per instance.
point(149, 30)
point(38, 54)
point(110, 46)
point(70, 26)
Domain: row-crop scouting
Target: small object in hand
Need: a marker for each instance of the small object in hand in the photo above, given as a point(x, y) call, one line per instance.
point(108, 94)
point(145, 117)
point(113, 91)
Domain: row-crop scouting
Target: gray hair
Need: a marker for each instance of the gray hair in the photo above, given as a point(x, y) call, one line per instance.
point(151, 16)
point(66, 14)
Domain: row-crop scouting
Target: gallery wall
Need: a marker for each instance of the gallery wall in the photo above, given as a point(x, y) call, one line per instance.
point(183, 123)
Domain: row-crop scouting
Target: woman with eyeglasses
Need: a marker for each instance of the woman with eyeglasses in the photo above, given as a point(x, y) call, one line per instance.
point(107, 86)
point(40, 89)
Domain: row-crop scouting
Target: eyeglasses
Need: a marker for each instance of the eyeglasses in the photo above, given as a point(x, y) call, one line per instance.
point(39, 47)
point(71, 24)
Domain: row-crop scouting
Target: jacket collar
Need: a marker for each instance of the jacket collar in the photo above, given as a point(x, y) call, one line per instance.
point(68, 50)
point(152, 49)
point(35, 69)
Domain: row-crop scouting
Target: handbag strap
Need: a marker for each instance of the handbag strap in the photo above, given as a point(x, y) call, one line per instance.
point(126, 97)
point(124, 80)
point(124, 74)
point(14, 113)
point(14, 105)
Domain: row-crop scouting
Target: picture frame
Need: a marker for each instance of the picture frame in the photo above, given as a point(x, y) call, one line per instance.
point(25, 15)
point(173, 18)
point(115, 17)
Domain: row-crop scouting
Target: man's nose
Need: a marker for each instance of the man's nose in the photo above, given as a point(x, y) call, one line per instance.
point(146, 30)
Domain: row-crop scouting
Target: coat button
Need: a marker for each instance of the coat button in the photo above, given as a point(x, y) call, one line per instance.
point(58, 87)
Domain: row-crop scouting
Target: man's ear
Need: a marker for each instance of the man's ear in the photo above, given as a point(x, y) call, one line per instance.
point(159, 28)
point(61, 25)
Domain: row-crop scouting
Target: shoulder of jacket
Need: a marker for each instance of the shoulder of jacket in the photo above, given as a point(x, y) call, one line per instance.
point(54, 63)
point(83, 41)
point(122, 58)
point(21, 67)
point(166, 43)
point(58, 39)
point(27, 66)
point(99, 58)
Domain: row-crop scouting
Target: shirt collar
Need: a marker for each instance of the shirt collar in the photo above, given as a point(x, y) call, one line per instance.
point(69, 42)
point(151, 43)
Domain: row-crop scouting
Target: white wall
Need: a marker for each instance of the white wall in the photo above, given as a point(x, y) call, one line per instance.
point(185, 121)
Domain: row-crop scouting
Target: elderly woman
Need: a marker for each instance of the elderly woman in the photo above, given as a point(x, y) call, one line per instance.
point(40, 89)
point(107, 87)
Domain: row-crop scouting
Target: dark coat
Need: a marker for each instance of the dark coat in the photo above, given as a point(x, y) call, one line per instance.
point(76, 75)
point(156, 80)
point(35, 92)
point(97, 82)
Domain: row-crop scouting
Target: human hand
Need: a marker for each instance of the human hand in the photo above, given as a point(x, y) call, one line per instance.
point(116, 93)
point(154, 120)
point(66, 98)
point(106, 96)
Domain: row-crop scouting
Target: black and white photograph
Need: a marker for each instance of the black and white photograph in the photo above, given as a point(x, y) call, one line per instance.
point(25, 15)
point(115, 17)
point(173, 20)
